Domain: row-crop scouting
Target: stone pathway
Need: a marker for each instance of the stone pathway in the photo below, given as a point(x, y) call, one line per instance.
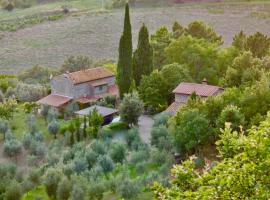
point(145, 127)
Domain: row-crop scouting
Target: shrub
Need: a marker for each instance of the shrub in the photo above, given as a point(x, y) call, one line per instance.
point(162, 119)
point(118, 152)
point(29, 92)
point(128, 189)
point(14, 191)
point(98, 147)
point(157, 133)
point(53, 127)
point(51, 180)
point(96, 190)
point(12, 148)
point(77, 193)
point(132, 135)
point(91, 157)
point(139, 156)
point(63, 190)
point(80, 165)
point(32, 160)
point(106, 163)
point(160, 157)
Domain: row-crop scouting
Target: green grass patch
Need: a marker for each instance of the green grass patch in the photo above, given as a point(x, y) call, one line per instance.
point(37, 193)
point(19, 126)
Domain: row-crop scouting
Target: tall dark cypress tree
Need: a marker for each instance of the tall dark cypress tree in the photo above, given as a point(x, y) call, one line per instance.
point(124, 66)
point(143, 56)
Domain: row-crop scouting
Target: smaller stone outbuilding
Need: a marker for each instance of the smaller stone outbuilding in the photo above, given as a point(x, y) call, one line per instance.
point(105, 112)
point(183, 91)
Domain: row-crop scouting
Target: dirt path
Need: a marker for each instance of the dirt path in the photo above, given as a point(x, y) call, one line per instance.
point(97, 34)
point(145, 127)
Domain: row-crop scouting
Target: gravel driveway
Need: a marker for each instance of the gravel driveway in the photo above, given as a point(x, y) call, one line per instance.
point(145, 127)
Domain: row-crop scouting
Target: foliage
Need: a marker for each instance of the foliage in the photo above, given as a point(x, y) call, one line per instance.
point(258, 44)
point(241, 174)
point(14, 191)
point(63, 189)
point(156, 89)
point(36, 74)
point(77, 193)
point(95, 120)
point(131, 108)
point(200, 30)
point(29, 92)
point(124, 65)
point(106, 163)
point(118, 152)
point(189, 129)
point(198, 54)
point(12, 147)
point(233, 115)
point(76, 63)
point(128, 189)
point(160, 40)
point(7, 108)
point(142, 56)
point(51, 180)
point(53, 128)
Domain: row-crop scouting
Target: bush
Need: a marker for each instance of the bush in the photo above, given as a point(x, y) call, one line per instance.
point(77, 193)
point(98, 147)
point(128, 189)
point(14, 191)
point(162, 119)
point(32, 160)
point(157, 133)
point(96, 190)
point(132, 135)
point(139, 156)
point(91, 157)
point(118, 152)
point(80, 165)
point(106, 163)
point(29, 92)
point(51, 180)
point(63, 190)
point(160, 157)
point(12, 148)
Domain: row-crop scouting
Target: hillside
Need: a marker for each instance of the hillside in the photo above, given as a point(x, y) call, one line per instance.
point(96, 34)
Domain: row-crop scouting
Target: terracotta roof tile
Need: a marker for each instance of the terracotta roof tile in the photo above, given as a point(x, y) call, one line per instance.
point(173, 108)
point(200, 89)
point(89, 75)
point(54, 100)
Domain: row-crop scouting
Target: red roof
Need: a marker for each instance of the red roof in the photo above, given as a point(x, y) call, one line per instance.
point(89, 75)
point(173, 108)
point(54, 100)
point(200, 89)
point(112, 90)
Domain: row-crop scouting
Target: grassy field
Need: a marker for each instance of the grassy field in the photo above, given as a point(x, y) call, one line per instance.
point(96, 34)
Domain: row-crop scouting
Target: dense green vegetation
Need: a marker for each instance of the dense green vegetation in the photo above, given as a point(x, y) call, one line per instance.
point(53, 155)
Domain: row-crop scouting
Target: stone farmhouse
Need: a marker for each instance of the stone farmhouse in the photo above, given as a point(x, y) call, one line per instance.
point(184, 90)
point(82, 87)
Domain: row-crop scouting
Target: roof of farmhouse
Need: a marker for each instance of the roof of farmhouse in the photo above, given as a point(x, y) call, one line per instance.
point(88, 75)
point(204, 90)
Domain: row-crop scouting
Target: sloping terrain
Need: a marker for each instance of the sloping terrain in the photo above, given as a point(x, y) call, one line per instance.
point(97, 34)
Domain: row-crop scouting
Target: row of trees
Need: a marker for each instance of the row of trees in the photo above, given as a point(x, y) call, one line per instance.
point(132, 66)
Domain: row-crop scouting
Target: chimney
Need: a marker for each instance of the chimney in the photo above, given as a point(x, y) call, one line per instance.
point(204, 81)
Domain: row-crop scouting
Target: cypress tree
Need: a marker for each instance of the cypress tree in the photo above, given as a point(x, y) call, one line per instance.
point(143, 56)
point(124, 66)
